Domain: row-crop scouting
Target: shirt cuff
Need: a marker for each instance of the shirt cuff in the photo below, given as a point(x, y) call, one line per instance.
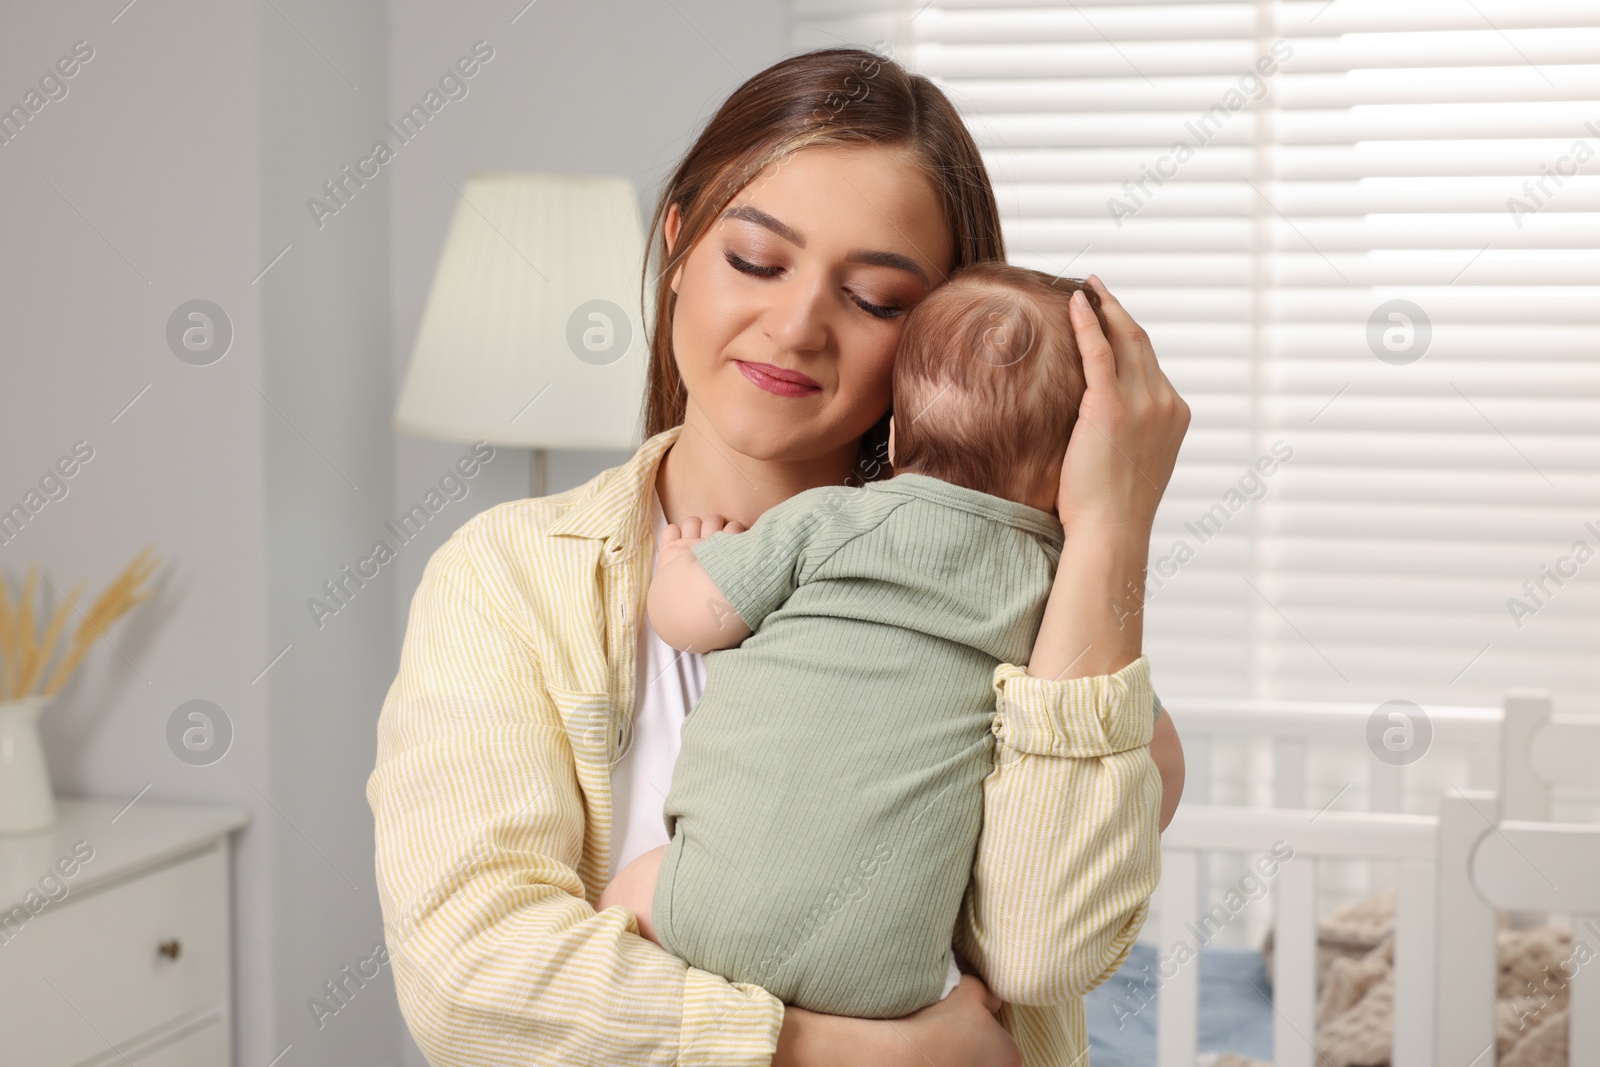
point(1082, 718)
point(727, 1024)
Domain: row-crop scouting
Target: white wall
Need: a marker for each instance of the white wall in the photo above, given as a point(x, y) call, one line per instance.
point(156, 146)
point(187, 147)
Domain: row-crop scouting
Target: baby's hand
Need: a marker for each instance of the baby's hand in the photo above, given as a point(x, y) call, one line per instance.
point(677, 539)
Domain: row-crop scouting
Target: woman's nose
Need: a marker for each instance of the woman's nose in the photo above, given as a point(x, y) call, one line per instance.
point(797, 318)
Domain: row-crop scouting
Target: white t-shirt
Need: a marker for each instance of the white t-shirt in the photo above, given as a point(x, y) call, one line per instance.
point(669, 684)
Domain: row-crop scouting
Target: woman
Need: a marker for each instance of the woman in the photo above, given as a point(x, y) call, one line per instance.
point(526, 744)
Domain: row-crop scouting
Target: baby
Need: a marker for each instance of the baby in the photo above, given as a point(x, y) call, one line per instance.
point(828, 794)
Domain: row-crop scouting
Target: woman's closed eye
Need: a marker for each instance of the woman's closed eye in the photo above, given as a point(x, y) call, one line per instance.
point(744, 266)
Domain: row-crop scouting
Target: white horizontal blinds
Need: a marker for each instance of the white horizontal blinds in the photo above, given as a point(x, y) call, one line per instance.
point(883, 25)
point(1071, 103)
point(1442, 477)
point(1260, 182)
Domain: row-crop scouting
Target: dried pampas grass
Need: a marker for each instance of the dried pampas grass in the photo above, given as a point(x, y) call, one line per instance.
point(24, 655)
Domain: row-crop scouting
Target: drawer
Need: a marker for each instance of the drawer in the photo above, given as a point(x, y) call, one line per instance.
point(87, 973)
point(207, 1048)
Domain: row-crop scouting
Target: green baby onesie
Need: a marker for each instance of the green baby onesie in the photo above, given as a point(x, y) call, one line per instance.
point(827, 799)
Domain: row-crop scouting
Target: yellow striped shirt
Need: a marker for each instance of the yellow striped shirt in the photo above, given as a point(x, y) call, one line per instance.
point(492, 803)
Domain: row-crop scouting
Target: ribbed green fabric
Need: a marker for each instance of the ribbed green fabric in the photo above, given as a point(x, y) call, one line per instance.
point(828, 795)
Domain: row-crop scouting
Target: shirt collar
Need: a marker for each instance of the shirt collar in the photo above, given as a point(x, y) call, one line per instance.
point(614, 507)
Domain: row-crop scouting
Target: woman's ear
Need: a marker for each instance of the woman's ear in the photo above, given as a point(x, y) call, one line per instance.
point(669, 229)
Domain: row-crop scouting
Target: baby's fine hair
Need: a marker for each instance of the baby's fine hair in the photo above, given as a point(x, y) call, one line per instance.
point(988, 379)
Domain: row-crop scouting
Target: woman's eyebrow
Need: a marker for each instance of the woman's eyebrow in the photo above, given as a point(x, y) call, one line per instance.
point(793, 236)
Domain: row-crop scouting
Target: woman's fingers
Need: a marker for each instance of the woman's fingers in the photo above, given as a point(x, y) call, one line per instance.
point(1134, 353)
point(1099, 363)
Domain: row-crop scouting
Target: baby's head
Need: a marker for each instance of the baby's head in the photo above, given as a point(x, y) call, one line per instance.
point(987, 382)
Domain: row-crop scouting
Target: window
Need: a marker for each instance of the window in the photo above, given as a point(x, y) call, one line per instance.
point(1365, 238)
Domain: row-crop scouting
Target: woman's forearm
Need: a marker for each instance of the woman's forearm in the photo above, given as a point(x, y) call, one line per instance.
point(1094, 620)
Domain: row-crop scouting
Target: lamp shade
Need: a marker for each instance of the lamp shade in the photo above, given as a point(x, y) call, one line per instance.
point(531, 335)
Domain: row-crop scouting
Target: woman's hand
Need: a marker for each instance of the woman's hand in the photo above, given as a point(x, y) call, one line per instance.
point(1130, 425)
point(959, 1031)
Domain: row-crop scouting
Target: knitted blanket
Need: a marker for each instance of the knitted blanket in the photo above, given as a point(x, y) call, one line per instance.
point(1355, 991)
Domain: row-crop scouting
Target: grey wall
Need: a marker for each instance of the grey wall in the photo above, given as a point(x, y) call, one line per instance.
point(598, 87)
point(181, 160)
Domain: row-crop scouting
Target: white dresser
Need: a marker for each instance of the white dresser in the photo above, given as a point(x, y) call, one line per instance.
point(115, 937)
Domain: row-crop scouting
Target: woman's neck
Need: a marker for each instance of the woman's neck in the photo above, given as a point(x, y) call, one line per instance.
point(701, 475)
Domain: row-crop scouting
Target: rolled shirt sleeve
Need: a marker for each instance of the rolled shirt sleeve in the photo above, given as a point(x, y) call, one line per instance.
point(1070, 851)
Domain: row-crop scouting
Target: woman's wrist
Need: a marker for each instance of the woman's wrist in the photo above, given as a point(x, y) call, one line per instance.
point(812, 1039)
point(1094, 620)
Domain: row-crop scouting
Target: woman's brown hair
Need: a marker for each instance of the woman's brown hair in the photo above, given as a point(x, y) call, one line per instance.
point(830, 96)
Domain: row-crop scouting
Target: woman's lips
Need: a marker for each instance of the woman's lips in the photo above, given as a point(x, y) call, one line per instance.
point(778, 381)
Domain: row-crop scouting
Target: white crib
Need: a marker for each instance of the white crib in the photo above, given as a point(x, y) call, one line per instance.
point(1444, 931)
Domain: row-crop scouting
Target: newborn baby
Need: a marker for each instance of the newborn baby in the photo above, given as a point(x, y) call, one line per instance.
point(828, 795)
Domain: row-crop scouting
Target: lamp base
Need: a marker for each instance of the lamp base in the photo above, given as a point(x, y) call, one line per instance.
point(538, 472)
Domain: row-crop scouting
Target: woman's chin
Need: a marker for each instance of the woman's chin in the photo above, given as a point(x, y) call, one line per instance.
point(770, 438)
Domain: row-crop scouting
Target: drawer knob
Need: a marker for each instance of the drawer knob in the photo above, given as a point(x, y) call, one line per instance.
point(170, 949)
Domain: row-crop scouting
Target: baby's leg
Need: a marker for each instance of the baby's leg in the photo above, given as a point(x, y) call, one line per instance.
point(634, 887)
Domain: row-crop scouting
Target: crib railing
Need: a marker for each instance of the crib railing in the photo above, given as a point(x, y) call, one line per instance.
point(1409, 841)
point(1294, 726)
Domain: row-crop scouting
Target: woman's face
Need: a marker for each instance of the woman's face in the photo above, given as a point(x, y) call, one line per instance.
point(810, 270)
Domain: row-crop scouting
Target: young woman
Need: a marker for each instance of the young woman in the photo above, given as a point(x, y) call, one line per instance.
point(526, 745)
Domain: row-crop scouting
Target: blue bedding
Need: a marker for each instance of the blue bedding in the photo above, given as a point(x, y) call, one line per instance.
point(1235, 1008)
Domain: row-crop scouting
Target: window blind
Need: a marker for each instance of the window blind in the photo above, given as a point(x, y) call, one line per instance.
point(1365, 238)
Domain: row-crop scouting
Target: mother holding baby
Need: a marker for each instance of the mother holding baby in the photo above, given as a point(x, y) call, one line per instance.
point(527, 743)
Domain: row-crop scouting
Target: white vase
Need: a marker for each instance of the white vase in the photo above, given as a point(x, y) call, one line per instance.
point(26, 801)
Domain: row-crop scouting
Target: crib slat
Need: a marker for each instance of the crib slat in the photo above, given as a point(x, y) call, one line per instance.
point(1288, 772)
point(1583, 1037)
point(1178, 1006)
point(1413, 964)
point(1467, 967)
point(1294, 964)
